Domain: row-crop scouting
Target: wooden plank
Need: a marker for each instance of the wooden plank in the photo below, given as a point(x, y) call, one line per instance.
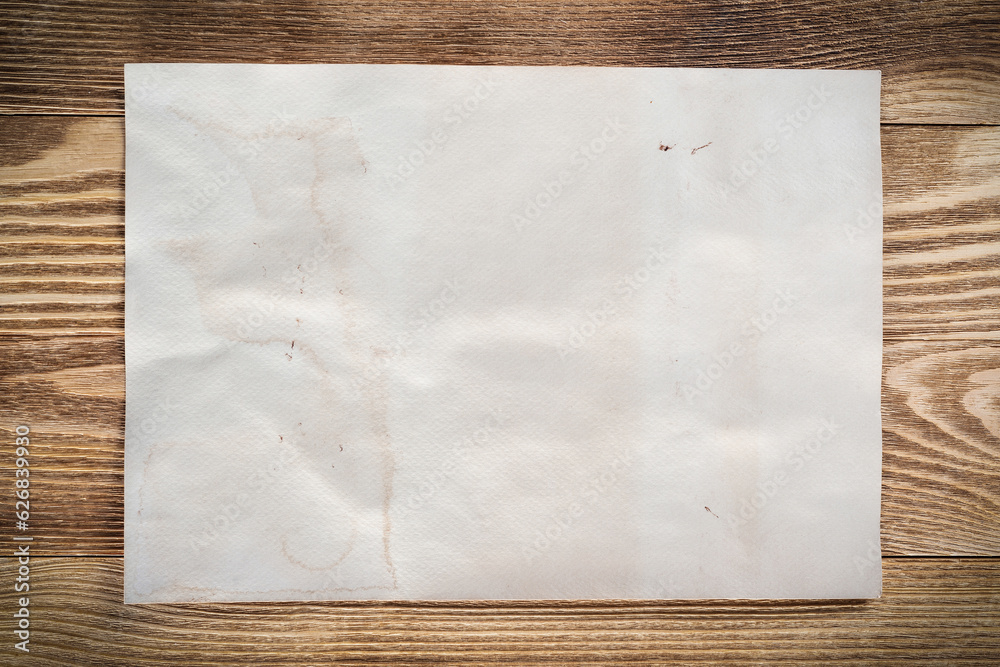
point(61, 272)
point(935, 611)
point(941, 444)
point(941, 232)
point(62, 232)
point(61, 225)
point(940, 58)
point(941, 449)
point(61, 296)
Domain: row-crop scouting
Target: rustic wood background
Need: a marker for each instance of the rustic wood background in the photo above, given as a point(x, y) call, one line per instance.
point(61, 327)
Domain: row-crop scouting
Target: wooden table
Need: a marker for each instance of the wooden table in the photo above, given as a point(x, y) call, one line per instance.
point(61, 336)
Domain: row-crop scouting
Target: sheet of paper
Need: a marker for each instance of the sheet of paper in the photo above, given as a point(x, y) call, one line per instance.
point(436, 332)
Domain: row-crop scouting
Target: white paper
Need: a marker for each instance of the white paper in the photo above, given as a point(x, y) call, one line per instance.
point(428, 332)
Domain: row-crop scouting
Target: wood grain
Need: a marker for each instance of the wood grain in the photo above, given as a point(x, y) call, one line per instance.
point(61, 319)
point(62, 212)
point(941, 444)
point(941, 236)
point(940, 59)
point(62, 354)
point(933, 611)
point(941, 448)
point(62, 230)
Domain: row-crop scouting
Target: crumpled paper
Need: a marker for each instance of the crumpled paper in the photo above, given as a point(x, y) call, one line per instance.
point(442, 332)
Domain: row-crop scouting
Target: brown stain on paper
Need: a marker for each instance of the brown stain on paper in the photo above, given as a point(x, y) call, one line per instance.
point(375, 391)
point(330, 224)
point(320, 568)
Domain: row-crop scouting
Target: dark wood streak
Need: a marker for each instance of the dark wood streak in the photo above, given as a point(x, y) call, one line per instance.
point(939, 58)
point(941, 232)
point(102, 179)
point(62, 346)
point(941, 463)
point(934, 611)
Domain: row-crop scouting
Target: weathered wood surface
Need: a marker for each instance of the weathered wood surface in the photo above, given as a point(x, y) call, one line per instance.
point(940, 59)
point(941, 444)
point(61, 318)
point(62, 233)
point(61, 327)
point(934, 611)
